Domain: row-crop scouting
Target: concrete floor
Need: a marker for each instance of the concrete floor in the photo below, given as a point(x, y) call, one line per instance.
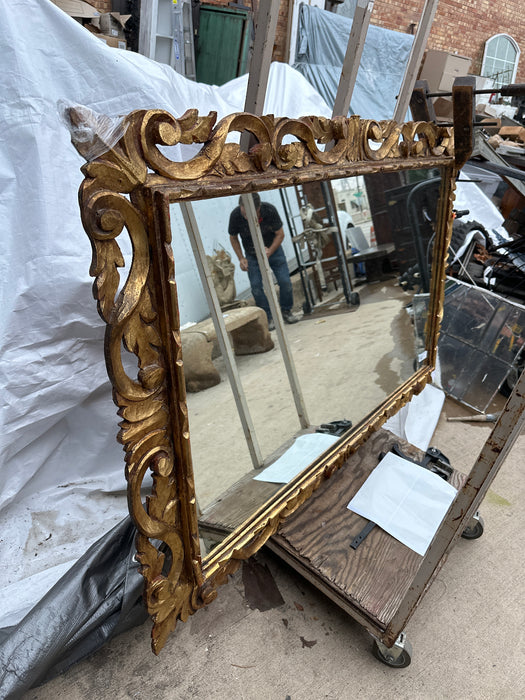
point(467, 633)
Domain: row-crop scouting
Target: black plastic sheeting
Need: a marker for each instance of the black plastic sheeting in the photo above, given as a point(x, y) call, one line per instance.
point(98, 598)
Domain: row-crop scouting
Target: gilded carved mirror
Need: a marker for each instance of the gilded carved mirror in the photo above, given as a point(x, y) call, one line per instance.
point(134, 188)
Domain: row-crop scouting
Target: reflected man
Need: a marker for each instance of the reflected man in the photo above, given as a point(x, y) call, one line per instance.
point(273, 236)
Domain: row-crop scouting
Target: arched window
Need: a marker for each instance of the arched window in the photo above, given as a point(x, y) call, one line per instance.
point(500, 59)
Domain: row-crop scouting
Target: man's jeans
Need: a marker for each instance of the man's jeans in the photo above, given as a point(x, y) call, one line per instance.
point(280, 269)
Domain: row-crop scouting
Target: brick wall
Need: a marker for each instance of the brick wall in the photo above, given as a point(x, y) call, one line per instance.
point(460, 26)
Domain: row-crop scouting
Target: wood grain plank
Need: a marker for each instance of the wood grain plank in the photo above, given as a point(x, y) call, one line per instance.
point(374, 578)
point(236, 504)
point(377, 575)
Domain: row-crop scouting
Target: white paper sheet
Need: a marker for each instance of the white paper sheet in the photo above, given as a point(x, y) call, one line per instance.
point(302, 453)
point(416, 421)
point(406, 500)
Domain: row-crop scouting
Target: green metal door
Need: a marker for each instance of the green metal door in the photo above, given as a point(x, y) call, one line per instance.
point(223, 44)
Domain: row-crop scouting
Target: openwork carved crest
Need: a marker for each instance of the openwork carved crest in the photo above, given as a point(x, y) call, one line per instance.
point(119, 193)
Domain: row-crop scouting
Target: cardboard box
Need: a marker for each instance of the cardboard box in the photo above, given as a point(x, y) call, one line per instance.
point(443, 109)
point(113, 41)
point(498, 111)
point(440, 69)
point(513, 133)
point(112, 24)
point(483, 83)
point(77, 8)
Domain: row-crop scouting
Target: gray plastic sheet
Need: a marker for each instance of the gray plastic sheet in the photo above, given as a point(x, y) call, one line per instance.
point(98, 598)
point(321, 47)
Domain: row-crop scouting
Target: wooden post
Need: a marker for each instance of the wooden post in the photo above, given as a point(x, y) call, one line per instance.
point(265, 27)
point(354, 50)
point(421, 105)
point(148, 20)
point(414, 61)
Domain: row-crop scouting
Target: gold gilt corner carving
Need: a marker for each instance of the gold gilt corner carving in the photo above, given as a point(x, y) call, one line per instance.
point(116, 195)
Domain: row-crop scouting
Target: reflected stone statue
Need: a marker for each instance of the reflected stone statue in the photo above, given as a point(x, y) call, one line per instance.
point(222, 271)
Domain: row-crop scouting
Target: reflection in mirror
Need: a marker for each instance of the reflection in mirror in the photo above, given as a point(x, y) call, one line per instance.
point(352, 347)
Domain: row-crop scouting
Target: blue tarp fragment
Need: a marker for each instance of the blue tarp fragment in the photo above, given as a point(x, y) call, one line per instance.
point(321, 47)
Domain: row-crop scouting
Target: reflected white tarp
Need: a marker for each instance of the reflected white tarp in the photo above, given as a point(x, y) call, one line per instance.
point(61, 469)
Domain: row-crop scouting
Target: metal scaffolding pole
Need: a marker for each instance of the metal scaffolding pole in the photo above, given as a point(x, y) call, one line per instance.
point(255, 94)
point(269, 288)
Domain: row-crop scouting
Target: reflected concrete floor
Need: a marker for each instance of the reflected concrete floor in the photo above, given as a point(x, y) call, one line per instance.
point(346, 364)
point(467, 634)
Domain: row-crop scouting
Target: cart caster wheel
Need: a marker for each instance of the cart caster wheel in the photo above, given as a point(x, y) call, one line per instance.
point(475, 528)
point(398, 656)
point(354, 299)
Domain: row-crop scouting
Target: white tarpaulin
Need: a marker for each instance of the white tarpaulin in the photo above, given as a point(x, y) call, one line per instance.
point(61, 469)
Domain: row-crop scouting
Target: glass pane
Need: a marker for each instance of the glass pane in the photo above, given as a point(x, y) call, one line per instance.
point(489, 67)
point(500, 47)
point(481, 339)
point(348, 358)
point(484, 380)
point(510, 54)
point(500, 59)
point(470, 318)
point(511, 337)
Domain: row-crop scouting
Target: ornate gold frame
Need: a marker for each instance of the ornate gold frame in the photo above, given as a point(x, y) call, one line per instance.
point(130, 186)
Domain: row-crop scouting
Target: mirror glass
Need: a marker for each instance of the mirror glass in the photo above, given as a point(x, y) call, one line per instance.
point(354, 342)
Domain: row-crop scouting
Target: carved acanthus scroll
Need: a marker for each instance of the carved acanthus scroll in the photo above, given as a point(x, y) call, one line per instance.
point(353, 141)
